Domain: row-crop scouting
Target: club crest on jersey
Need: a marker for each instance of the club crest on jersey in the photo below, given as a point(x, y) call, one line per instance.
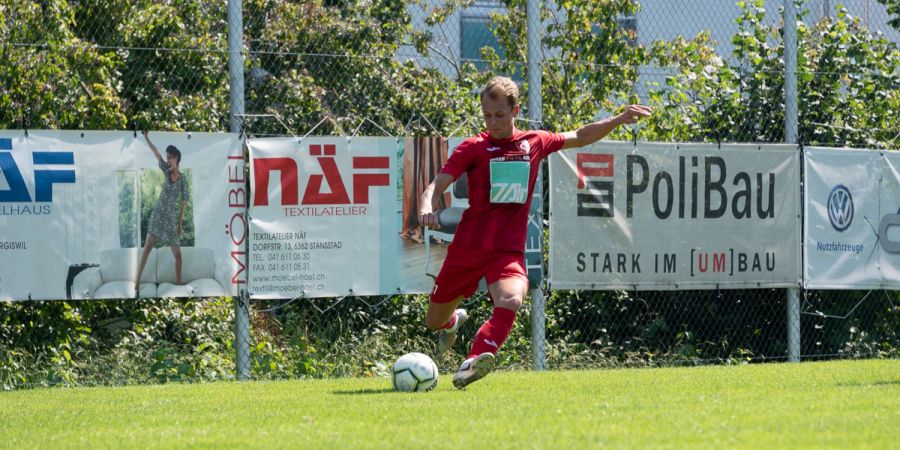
point(524, 146)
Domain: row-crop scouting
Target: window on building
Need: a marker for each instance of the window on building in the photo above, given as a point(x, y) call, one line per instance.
point(475, 34)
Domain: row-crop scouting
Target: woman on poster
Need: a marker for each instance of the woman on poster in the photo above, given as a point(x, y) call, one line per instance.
point(165, 225)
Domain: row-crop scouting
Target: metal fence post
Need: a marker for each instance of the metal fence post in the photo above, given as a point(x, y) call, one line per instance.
point(790, 137)
point(538, 323)
point(533, 11)
point(793, 322)
point(790, 72)
point(236, 62)
point(242, 336)
point(236, 97)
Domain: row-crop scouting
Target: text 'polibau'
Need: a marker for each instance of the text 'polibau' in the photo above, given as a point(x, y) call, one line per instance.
point(699, 188)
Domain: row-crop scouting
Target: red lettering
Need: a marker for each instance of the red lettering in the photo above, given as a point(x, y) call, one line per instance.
point(316, 150)
point(314, 194)
point(237, 225)
point(238, 257)
point(235, 173)
point(237, 198)
point(718, 262)
point(584, 170)
point(371, 162)
point(288, 186)
point(363, 181)
point(243, 228)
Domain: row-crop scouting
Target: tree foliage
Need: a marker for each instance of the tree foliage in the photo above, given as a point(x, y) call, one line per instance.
point(100, 64)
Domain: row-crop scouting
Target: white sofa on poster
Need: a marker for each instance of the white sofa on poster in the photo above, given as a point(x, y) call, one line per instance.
point(114, 276)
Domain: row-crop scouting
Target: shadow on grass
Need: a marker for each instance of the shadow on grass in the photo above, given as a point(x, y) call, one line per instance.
point(365, 391)
point(871, 383)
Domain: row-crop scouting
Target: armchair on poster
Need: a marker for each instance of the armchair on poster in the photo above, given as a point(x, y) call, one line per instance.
point(448, 218)
point(113, 275)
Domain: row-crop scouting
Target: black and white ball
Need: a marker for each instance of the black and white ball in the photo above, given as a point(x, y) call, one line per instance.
point(414, 372)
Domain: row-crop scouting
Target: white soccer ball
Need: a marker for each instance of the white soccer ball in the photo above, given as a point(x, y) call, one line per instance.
point(414, 372)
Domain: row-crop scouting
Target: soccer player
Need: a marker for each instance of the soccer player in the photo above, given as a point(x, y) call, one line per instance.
point(502, 164)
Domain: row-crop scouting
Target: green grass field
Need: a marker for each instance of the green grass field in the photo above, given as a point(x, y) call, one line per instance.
point(845, 404)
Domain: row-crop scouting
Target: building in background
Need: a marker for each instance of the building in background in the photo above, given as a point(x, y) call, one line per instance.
point(461, 37)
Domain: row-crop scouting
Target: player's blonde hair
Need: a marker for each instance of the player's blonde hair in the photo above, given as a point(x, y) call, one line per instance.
point(501, 87)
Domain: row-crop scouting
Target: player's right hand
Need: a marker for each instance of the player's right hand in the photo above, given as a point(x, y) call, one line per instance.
point(428, 219)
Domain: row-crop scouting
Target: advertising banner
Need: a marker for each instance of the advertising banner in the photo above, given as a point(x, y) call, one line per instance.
point(852, 222)
point(674, 216)
point(83, 213)
point(534, 239)
point(332, 216)
point(323, 217)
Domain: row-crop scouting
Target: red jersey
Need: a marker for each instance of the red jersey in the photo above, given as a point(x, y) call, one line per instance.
point(497, 226)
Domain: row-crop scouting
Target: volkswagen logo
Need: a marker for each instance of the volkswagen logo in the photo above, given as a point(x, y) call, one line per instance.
point(840, 207)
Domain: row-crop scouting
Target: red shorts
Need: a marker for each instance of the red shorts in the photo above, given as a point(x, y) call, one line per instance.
point(464, 267)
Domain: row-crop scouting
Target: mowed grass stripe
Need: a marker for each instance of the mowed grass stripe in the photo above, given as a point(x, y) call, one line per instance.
point(846, 404)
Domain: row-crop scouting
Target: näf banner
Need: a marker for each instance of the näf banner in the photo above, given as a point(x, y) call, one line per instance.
point(852, 224)
point(87, 214)
point(332, 216)
point(674, 216)
point(319, 224)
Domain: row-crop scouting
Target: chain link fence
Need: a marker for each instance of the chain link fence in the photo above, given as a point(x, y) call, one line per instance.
point(712, 69)
point(362, 336)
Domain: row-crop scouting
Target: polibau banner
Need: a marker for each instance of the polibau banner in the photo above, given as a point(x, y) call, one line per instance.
point(852, 221)
point(675, 216)
point(332, 216)
point(78, 209)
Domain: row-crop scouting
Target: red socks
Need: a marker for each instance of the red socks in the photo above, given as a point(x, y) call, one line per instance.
point(493, 333)
point(450, 323)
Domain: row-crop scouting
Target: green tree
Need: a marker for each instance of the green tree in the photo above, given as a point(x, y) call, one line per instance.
point(847, 85)
point(99, 64)
point(50, 78)
point(314, 60)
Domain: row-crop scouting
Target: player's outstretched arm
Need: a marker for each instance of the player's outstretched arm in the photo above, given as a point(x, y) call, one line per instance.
point(428, 202)
point(591, 133)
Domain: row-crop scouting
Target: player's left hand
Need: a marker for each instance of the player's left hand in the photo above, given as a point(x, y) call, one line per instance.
point(634, 113)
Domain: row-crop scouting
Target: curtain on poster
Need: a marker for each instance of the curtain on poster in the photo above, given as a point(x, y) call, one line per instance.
point(852, 224)
point(674, 216)
point(421, 250)
point(78, 208)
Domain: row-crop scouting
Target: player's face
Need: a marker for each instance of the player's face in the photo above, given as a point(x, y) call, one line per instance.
point(172, 160)
point(498, 117)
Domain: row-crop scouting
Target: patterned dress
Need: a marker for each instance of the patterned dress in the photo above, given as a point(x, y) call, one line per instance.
point(164, 220)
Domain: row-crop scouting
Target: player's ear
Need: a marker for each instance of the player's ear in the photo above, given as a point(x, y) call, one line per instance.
point(515, 111)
